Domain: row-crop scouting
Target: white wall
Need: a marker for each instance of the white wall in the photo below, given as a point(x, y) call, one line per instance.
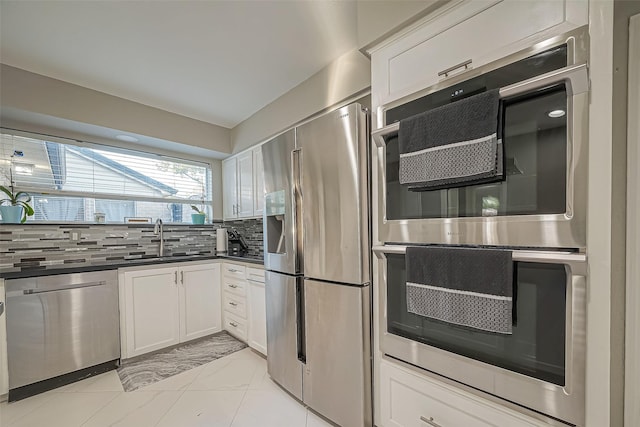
point(632, 359)
point(348, 75)
point(377, 19)
point(606, 232)
point(26, 91)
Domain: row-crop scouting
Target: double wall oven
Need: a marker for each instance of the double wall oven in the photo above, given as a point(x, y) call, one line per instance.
point(537, 211)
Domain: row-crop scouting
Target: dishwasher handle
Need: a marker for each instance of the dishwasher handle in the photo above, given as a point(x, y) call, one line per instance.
point(63, 288)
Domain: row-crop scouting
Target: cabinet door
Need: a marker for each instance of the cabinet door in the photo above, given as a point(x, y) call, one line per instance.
point(257, 317)
point(230, 188)
point(258, 182)
point(476, 31)
point(4, 372)
point(199, 301)
point(151, 310)
point(245, 185)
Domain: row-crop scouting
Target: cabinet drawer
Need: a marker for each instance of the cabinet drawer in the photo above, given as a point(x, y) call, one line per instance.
point(408, 400)
point(236, 287)
point(234, 271)
point(234, 304)
point(255, 275)
point(235, 326)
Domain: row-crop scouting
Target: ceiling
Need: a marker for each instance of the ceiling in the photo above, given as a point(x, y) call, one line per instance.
point(215, 61)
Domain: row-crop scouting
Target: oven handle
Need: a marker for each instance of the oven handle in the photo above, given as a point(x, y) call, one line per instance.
point(576, 261)
point(576, 77)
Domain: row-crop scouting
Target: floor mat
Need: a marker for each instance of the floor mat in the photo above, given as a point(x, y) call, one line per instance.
point(145, 370)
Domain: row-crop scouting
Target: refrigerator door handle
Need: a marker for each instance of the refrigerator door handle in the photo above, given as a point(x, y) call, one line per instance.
point(297, 197)
point(300, 322)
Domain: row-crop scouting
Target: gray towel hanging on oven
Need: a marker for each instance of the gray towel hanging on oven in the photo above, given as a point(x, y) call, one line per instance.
point(465, 286)
point(453, 145)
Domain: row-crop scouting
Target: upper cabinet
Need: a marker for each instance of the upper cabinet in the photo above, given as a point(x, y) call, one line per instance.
point(230, 188)
point(258, 182)
point(243, 188)
point(245, 185)
point(463, 35)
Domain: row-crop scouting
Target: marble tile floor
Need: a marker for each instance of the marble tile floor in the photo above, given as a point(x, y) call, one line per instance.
point(233, 391)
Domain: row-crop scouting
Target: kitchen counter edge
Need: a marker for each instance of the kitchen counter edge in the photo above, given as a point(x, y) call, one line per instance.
point(130, 263)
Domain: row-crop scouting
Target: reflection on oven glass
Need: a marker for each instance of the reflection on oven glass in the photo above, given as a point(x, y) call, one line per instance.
point(537, 346)
point(535, 147)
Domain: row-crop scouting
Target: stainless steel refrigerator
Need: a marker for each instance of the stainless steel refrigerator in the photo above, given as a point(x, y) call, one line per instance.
point(317, 257)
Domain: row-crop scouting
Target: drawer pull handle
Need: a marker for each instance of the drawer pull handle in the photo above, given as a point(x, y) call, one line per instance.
point(234, 324)
point(233, 270)
point(430, 421)
point(446, 72)
point(233, 303)
point(233, 286)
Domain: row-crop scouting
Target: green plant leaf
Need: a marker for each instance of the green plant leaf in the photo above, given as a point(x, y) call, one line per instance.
point(23, 195)
point(6, 191)
point(27, 208)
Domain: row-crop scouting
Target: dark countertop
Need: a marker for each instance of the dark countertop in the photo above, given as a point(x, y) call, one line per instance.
point(247, 259)
point(112, 265)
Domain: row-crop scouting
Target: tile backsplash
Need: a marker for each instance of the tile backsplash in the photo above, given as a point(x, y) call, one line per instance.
point(33, 246)
point(251, 230)
point(43, 246)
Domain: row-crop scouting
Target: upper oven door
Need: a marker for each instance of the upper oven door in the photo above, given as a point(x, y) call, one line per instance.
point(544, 93)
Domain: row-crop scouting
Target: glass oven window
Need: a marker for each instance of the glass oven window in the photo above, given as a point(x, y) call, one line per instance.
point(535, 144)
point(537, 346)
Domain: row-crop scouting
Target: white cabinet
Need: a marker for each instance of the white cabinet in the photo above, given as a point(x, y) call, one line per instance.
point(199, 301)
point(257, 310)
point(4, 371)
point(234, 298)
point(151, 310)
point(230, 188)
point(411, 400)
point(164, 306)
point(479, 31)
point(258, 182)
point(243, 303)
point(243, 185)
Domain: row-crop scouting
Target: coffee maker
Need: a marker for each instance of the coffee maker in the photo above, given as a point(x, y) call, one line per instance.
point(237, 245)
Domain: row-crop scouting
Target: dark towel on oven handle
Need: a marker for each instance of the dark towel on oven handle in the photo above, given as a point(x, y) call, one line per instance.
point(471, 287)
point(453, 145)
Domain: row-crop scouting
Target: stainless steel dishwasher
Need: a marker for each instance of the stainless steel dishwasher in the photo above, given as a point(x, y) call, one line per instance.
point(60, 324)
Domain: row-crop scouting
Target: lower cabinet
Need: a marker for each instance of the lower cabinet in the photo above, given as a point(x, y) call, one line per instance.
point(199, 301)
point(257, 311)
point(411, 400)
point(4, 371)
point(168, 305)
point(243, 302)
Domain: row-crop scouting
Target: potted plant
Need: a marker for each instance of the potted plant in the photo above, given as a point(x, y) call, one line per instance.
point(16, 208)
point(198, 217)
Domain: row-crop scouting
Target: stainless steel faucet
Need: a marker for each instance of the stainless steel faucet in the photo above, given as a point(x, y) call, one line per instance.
point(157, 229)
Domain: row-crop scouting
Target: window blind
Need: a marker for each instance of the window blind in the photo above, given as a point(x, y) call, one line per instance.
point(75, 181)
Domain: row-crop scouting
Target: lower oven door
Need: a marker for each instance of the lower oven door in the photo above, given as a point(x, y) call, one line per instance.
point(541, 365)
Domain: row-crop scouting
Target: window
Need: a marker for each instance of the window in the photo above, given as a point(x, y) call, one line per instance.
point(73, 181)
